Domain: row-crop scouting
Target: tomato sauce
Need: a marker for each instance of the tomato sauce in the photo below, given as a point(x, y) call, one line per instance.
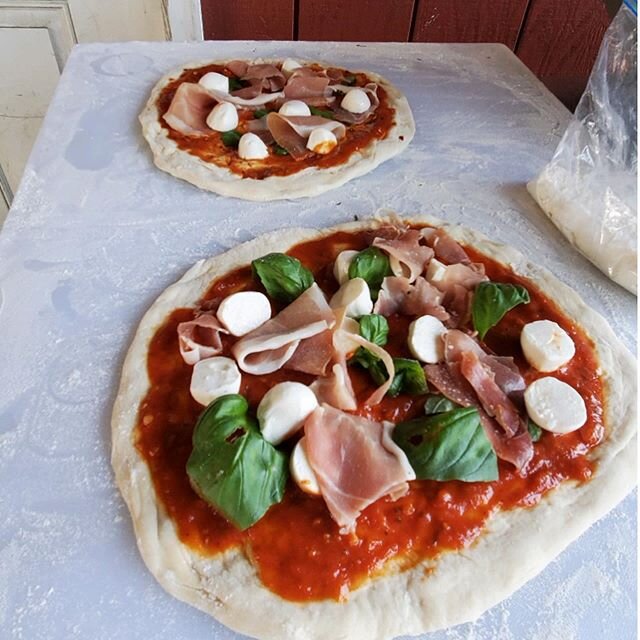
point(211, 149)
point(296, 547)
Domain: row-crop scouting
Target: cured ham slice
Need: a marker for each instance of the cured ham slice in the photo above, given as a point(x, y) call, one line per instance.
point(448, 277)
point(200, 338)
point(450, 382)
point(336, 389)
point(398, 295)
point(355, 462)
point(307, 83)
point(504, 370)
point(313, 355)
point(259, 101)
point(407, 256)
point(267, 76)
point(189, 109)
point(347, 117)
point(237, 67)
point(444, 246)
point(267, 348)
point(292, 132)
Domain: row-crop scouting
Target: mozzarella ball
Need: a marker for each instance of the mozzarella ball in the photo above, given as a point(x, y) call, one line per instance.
point(213, 378)
point(355, 296)
point(555, 406)
point(244, 311)
point(294, 108)
point(223, 117)
point(356, 101)
point(289, 66)
point(301, 470)
point(342, 264)
point(546, 345)
point(425, 339)
point(214, 81)
point(251, 147)
point(322, 141)
point(283, 410)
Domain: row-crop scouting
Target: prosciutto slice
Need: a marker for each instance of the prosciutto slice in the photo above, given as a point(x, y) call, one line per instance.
point(355, 461)
point(200, 338)
point(268, 76)
point(398, 295)
point(504, 370)
point(266, 349)
point(305, 83)
point(189, 109)
point(448, 277)
point(313, 355)
point(449, 381)
point(237, 67)
point(336, 389)
point(292, 132)
point(407, 257)
point(444, 246)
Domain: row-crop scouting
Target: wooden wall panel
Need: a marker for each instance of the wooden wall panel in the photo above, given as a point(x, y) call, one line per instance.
point(559, 43)
point(465, 21)
point(248, 19)
point(356, 20)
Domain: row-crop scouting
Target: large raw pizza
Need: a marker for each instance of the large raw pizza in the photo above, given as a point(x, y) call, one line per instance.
point(377, 429)
point(273, 129)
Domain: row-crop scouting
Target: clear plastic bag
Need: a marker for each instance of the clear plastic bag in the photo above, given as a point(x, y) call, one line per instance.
point(589, 189)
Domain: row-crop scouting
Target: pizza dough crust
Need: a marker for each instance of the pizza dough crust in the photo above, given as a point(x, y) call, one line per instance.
point(306, 183)
point(459, 586)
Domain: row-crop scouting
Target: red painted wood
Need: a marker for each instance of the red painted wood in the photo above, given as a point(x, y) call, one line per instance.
point(248, 19)
point(356, 20)
point(469, 21)
point(559, 43)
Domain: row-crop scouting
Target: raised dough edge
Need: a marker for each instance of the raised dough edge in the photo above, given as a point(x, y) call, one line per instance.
point(306, 183)
point(458, 586)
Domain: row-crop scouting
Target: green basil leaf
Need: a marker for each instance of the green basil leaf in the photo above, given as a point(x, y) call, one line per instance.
point(232, 467)
point(448, 446)
point(491, 300)
point(374, 328)
point(436, 403)
point(372, 265)
point(280, 151)
point(231, 138)
point(284, 277)
point(322, 113)
point(409, 378)
point(534, 430)
point(349, 80)
point(261, 113)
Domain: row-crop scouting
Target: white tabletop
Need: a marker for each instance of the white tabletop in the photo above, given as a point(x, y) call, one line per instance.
point(96, 233)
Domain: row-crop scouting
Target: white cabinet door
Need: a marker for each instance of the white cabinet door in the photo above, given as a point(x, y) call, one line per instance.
point(36, 37)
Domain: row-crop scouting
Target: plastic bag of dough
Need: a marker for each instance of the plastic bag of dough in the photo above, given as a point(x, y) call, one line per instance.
point(589, 189)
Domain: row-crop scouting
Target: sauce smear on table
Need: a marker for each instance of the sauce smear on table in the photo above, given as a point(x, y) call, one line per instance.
point(211, 149)
point(296, 547)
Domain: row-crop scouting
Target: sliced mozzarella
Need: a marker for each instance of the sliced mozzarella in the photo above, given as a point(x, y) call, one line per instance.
point(213, 81)
point(356, 101)
point(301, 470)
point(322, 141)
point(546, 345)
point(251, 147)
point(283, 410)
point(223, 117)
point(294, 108)
point(342, 264)
point(244, 311)
point(425, 339)
point(213, 378)
point(554, 405)
point(354, 295)
point(289, 66)
point(435, 271)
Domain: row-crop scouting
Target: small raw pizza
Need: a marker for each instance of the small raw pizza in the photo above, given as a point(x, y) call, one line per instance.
point(378, 429)
point(273, 129)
